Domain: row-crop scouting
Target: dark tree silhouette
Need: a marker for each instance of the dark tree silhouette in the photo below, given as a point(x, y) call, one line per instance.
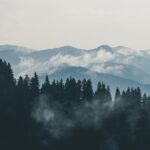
point(124, 126)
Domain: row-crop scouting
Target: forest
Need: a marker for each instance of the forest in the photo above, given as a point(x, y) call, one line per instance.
point(70, 115)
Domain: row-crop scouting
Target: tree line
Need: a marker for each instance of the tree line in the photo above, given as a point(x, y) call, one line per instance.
point(19, 130)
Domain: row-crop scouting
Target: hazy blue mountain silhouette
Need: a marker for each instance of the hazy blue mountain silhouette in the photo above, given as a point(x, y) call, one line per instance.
point(134, 65)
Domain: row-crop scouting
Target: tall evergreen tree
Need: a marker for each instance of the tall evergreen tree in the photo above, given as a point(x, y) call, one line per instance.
point(46, 87)
point(98, 92)
point(108, 97)
point(87, 90)
point(34, 86)
point(60, 91)
point(26, 87)
point(117, 95)
point(78, 91)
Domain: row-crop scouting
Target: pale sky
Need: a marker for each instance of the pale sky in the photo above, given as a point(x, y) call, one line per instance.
point(41, 24)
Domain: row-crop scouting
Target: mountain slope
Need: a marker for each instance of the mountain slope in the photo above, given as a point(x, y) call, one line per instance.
point(80, 73)
point(116, 65)
point(12, 53)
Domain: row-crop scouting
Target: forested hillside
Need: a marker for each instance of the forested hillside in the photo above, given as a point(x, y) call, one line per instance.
point(70, 115)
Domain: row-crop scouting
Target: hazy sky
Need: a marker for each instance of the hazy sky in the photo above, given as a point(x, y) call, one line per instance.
point(82, 23)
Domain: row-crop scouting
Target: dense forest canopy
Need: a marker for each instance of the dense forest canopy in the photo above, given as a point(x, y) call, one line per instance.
point(70, 115)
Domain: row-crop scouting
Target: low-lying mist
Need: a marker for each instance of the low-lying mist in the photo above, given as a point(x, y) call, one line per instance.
point(60, 123)
point(110, 125)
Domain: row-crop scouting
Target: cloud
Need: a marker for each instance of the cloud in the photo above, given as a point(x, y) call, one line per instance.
point(26, 62)
point(54, 120)
point(102, 68)
point(83, 60)
point(113, 62)
point(103, 56)
point(95, 62)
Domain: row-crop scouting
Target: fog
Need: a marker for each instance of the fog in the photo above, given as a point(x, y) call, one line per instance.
point(59, 124)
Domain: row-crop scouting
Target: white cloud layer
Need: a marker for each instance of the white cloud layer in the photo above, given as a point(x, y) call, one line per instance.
point(102, 61)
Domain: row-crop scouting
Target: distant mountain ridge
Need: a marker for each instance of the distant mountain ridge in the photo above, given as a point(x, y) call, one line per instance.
point(111, 80)
point(103, 63)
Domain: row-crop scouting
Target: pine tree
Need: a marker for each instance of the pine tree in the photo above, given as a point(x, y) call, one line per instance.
point(71, 89)
point(108, 97)
point(60, 91)
point(123, 95)
point(7, 81)
point(98, 92)
point(19, 89)
point(87, 90)
point(117, 95)
point(139, 95)
point(46, 87)
point(78, 90)
point(34, 86)
point(26, 87)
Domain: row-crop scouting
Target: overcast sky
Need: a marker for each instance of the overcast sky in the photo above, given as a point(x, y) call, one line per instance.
point(86, 24)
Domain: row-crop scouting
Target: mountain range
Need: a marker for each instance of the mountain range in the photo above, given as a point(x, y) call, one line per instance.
point(117, 66)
